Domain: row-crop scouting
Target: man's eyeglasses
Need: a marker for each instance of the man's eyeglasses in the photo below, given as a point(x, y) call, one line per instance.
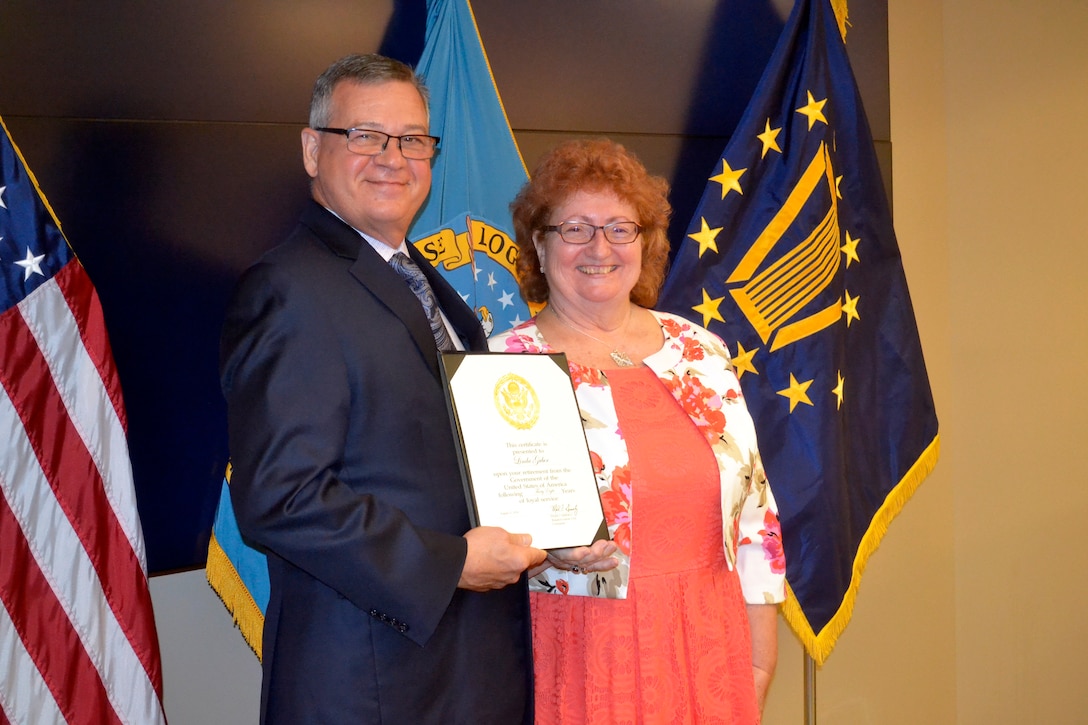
point(583, 232)
point(365, 142)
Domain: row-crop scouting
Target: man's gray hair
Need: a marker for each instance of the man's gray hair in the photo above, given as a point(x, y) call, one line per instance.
point(364, 69)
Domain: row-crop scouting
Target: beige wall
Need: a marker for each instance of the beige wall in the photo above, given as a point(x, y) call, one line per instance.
point(969, 612)
point(1016, 110)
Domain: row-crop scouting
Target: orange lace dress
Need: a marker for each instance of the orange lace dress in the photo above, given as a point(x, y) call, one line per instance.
point(677, 649)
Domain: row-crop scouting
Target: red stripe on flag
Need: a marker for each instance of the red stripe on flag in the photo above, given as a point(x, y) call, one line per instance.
point(83, 301)
point(46, 631)
point(78, 487)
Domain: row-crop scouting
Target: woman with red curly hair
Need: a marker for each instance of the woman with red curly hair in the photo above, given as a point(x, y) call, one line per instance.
point(673, 619)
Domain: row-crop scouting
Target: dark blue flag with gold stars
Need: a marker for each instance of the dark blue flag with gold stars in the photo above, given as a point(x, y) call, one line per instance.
point(791, 258)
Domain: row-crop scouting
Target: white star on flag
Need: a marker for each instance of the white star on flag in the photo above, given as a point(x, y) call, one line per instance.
point(31, 265)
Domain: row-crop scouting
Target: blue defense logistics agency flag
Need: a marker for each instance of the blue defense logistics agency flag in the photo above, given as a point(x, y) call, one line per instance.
point(791, 258)
point(464, 229)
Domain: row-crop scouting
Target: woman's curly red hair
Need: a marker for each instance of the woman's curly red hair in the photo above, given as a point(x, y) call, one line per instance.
point(592, 165)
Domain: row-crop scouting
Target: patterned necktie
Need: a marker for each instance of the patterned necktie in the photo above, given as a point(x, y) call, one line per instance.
point(419, 285)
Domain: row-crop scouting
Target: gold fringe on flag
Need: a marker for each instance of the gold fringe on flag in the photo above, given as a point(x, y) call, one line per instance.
point(841, 14)
point(224, 580)
point(819, 646)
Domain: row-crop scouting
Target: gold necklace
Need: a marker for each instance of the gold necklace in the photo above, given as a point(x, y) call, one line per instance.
point(618, 356)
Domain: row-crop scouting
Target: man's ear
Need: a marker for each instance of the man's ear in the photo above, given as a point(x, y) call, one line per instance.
point(311, 143)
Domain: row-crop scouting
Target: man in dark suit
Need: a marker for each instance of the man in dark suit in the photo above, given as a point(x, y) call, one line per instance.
point(385, 607)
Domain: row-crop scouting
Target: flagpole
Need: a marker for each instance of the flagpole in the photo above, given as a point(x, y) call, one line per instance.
point(810, 690)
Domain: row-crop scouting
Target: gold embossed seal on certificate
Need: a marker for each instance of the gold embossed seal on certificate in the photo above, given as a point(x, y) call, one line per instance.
point(517, 402)
point(522, 450)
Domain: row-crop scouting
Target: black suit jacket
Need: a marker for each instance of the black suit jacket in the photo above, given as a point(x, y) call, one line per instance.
point(345, 474)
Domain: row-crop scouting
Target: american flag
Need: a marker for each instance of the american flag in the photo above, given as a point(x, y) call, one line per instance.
point(77, 631)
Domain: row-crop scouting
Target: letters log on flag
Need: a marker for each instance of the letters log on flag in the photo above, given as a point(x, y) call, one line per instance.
point(791, 258)
point(464, 230)
point(77, 631)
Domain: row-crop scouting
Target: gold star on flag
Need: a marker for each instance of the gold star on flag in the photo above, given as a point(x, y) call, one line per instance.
point(814, 110)
point(850, 308)
point(742, 361)
point(729, 179)
point(839, 391)
point(850, 249)
point(769, 138)
point(796, 392)
point(706, 237)
point(709, 309)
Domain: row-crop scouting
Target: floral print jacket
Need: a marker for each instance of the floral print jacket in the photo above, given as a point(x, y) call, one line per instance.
point(693, 364)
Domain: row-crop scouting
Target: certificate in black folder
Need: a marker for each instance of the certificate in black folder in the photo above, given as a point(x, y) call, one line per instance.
point(523, 453)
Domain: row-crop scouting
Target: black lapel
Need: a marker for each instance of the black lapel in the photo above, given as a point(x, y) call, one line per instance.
point(377, 276)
